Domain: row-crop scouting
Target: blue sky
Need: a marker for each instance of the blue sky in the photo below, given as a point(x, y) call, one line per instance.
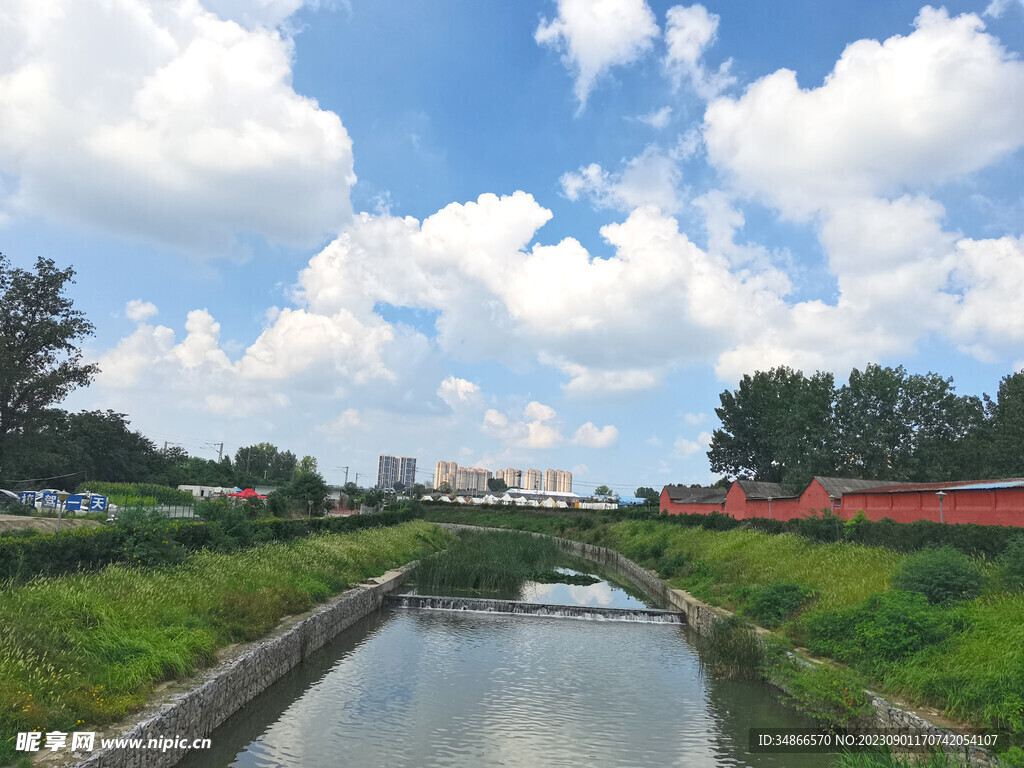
point(512, 234)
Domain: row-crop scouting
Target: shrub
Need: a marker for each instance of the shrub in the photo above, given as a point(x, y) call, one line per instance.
point(772, 604)
point(942, 575)
point(1012, 562)
point(671, 565)
point(731, 650)
point(884, 628)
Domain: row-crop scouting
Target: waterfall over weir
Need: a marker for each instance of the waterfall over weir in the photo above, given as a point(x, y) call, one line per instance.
point(589, 612)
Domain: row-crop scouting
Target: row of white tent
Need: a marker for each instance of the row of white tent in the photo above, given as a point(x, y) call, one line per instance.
point(519, 501)
point(490, 498)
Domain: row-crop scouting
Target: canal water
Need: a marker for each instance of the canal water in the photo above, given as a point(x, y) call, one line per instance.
point(420, 688)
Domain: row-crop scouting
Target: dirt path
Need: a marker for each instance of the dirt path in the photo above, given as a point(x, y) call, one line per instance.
point(19, 522)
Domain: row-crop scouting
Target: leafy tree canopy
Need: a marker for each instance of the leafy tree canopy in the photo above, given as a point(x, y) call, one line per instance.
point(40, 362)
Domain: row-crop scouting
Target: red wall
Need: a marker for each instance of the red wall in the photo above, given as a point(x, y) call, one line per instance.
point(674, 508)
point(739, 506)
point(985, 507)
point(815, 498)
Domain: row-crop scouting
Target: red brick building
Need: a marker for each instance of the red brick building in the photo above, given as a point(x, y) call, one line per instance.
point(987, 502)
point(681, 500)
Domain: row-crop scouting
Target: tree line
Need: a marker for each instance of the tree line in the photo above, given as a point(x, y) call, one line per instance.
point(882, 424)
point(40, 444)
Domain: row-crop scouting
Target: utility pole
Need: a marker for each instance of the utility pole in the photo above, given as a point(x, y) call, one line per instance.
point(346, 474)
point(357, 479)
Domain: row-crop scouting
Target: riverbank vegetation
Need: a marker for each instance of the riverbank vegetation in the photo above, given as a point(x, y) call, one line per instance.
point(80, 651)
point(496, 564)
point(952, 637)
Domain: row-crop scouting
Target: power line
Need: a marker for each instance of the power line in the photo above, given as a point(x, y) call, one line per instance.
point(51, 477)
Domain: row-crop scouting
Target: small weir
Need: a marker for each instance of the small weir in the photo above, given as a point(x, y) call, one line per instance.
point(587, 612)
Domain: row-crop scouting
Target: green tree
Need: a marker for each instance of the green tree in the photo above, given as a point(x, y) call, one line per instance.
point(777, 427)
point(496, 485)
point(307, 489)
point(602, 490)
point(645, 492)
point(418, 490)
point(40, 362)
point(1005, 435)
point(895, 426)
point(266, 463)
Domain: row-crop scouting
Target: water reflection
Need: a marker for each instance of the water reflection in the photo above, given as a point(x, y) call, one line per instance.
point(602, 594)
point(426, 688)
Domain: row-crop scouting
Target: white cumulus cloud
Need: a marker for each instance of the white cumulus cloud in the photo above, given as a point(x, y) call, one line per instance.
point(186, 131)
point(894, 116)
point(590, 436)
point(458, 392)
point(596, 35)
point(139, 310)
point(689, 31)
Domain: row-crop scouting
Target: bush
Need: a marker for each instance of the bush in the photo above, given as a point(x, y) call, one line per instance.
point(731, 650)
point(884, 628)
point(942, 575)
point(772, 604)
point(1012, 562)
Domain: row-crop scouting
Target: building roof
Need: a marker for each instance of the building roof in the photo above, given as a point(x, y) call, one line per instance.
point(754, 489)
point(837, 486)
point(680, 494)
point(949, 485)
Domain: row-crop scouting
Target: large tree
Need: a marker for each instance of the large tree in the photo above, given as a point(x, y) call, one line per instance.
point(1005, 438)
point(777, 427)
point(40, 361)
point(898, 426)
point(265, 462)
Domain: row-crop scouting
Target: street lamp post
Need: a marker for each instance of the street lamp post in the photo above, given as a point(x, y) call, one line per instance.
point(769, 507)
point(941, 495)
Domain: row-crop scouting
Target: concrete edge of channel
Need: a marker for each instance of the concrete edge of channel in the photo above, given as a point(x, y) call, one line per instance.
point(229, 685)
point(701, 617)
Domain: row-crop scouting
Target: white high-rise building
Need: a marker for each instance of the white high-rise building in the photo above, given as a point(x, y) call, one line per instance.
point(396, 469)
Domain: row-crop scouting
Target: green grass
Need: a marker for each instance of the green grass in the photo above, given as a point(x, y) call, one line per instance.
point(81, 651)
point(840, 574)
point(888, 760)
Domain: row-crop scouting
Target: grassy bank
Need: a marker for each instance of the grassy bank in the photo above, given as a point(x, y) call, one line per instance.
point(80, 651)
point(965, 658)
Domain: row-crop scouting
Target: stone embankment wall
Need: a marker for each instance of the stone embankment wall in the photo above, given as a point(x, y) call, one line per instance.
point(701, 616)
point(232, 684)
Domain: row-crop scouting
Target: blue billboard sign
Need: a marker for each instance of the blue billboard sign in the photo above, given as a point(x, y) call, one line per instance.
point(28, 497)
point(73, 503)
point(50, 500)
point(98, 504)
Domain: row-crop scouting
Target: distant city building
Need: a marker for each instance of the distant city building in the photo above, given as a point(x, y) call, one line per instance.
point(475, 479)
point(532, 480)
point(563, 481)
point(471, 479)
point(444, 472)
point(513, 477)
point(396, 469)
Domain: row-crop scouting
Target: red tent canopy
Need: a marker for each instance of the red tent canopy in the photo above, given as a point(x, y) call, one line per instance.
point(248, 493)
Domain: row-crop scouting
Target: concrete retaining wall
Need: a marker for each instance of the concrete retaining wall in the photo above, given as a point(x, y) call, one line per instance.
point(231, 685)
point(701, 616)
